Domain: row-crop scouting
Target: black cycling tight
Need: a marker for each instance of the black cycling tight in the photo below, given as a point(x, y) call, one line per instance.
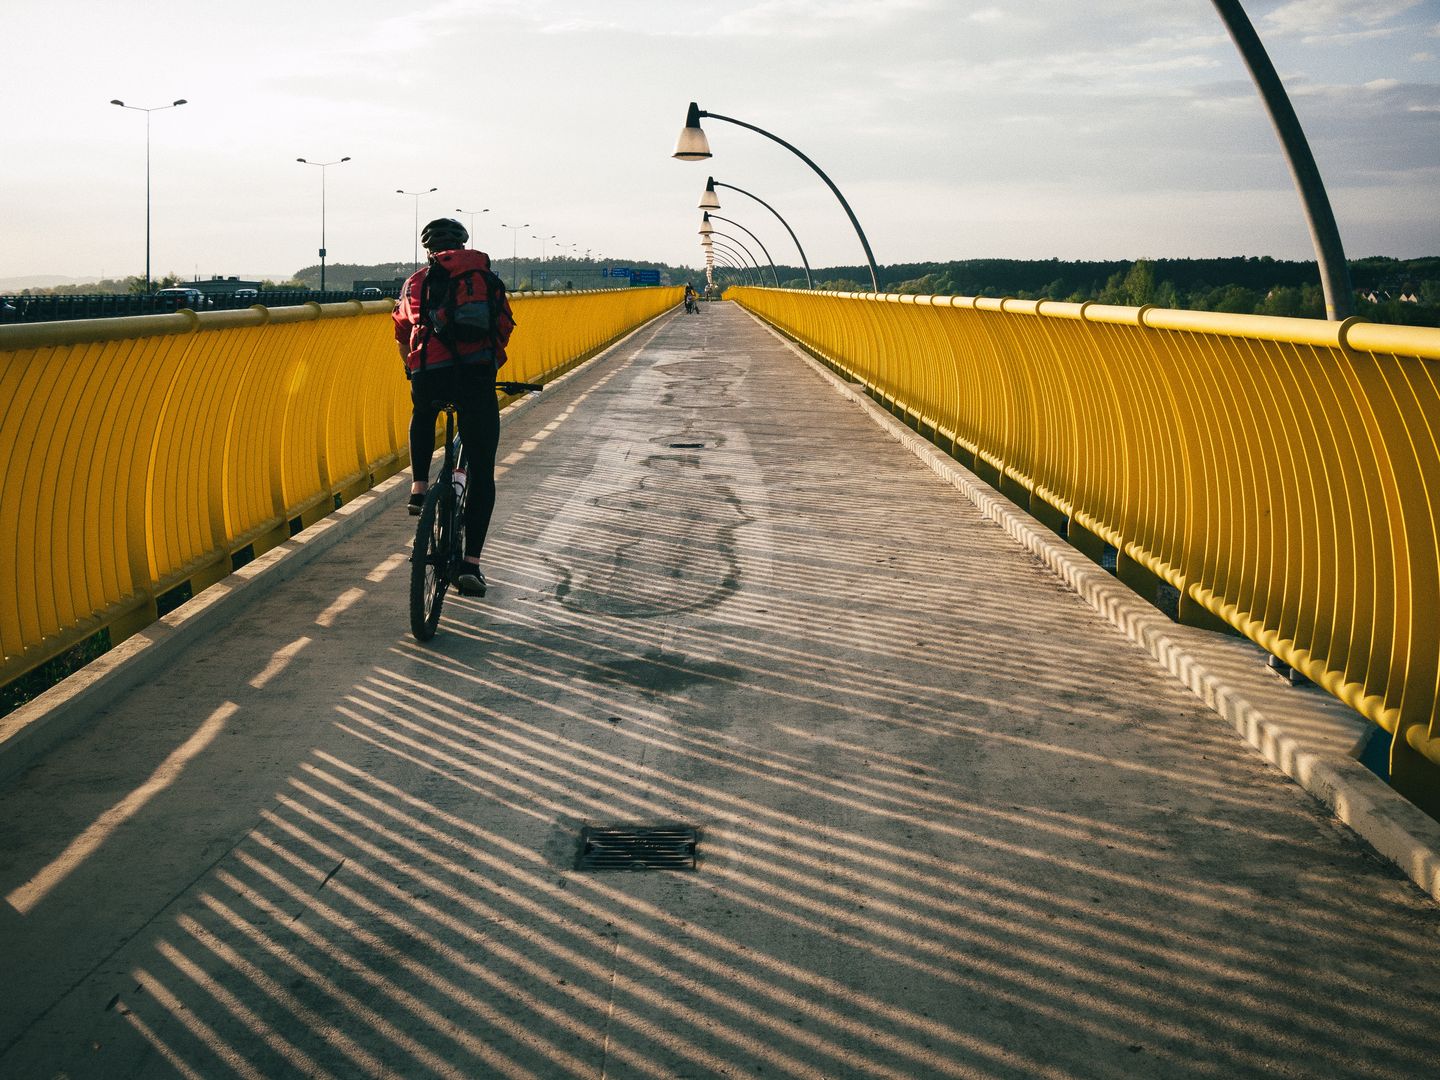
point(471, 388)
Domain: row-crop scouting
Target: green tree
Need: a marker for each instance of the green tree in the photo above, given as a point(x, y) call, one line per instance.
point(1235, 299)
point(1114, 290)
point(1284, 300)
point(1138, 287)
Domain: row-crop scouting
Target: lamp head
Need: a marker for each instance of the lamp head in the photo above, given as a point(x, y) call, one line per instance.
point(302, 161)
point(344, 159)
point(705, 227)
point(692, 144)
point(117, 101)
point(179, 101)
point(709, 200)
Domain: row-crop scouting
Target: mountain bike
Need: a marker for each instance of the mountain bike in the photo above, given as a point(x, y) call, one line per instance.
point(439, 552)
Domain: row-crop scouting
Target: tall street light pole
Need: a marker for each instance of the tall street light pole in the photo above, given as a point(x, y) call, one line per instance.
point(147, 112)
point(323, 166)
point(694, 146)
point(417, 194)
point(542, 240)
point(473, 214)
point(1324, 234)
point(515, 252)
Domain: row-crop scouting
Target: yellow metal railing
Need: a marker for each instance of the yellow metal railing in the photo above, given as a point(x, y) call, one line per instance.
point(142, 454)
point(1282, 474)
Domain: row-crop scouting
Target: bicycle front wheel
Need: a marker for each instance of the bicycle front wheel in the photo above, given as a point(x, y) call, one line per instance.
point(430, 563)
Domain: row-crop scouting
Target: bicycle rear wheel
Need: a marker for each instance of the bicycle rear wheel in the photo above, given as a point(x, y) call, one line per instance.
point(430, 562)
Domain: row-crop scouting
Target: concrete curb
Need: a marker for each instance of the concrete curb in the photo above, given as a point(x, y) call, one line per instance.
point(1308, 735)
point(68, 706)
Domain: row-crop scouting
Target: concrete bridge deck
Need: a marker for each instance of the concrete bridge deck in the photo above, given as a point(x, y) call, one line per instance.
point(952, 822)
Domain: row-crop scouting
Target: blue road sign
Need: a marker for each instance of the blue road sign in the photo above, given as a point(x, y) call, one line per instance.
point(645, 277)
point(619, 271)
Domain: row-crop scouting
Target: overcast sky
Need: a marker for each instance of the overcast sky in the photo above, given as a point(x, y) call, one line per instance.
point(1106, 129)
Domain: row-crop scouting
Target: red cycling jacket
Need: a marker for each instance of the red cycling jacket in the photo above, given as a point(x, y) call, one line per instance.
point(417, 341)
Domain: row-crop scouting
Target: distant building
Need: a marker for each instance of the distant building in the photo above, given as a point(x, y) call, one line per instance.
point(221, 286)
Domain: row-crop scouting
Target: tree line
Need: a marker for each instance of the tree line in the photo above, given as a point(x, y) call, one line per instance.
point(1247, 286)
point(1389, 290)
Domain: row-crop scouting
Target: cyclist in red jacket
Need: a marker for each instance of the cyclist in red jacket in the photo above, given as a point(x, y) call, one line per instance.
point(452, 323)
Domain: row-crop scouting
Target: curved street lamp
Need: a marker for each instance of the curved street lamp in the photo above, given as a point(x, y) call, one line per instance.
point(694, 146)
point(417, 195)
point(713, 245)
point(147, 112)
point(748, 253)
point(710, 201)
point(1324, 234)
point(323, 165)
point(737, 253)
point(473, 214)
point(757, 240)
point(739, 269)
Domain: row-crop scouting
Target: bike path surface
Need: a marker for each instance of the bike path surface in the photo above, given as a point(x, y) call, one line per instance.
point(952, 823)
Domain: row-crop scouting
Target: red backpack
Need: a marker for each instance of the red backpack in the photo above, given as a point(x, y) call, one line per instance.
point(460, 305)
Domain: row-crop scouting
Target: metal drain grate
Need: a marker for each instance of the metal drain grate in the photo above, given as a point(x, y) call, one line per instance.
point(637, 847)
point(687, 446)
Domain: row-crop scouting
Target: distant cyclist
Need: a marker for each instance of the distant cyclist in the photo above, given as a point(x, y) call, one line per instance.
point(691, 307)
point(452, 324)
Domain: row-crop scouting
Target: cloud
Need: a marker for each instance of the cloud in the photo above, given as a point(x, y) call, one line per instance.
point(1353, 37)
point(1304, 17)
point(1155, 66)
point(759, 18)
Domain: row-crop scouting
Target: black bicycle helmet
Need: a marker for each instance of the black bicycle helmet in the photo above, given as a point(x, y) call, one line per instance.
point(443, 234)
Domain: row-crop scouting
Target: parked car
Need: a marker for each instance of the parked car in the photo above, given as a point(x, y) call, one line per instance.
point(193, 299)
point(371, 293)
point(247, 294)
